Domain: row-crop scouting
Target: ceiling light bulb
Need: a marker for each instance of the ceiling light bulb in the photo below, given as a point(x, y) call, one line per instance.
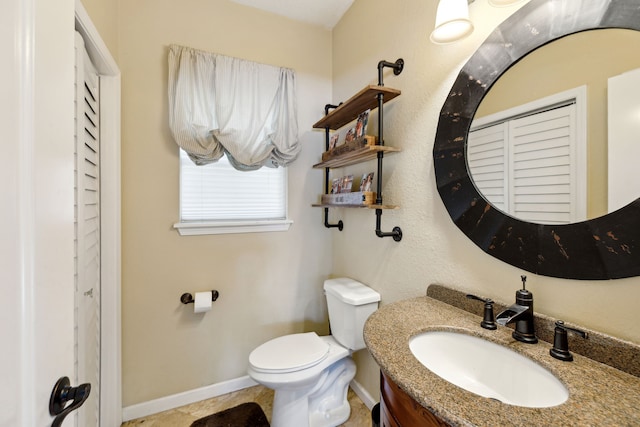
point(452, 21)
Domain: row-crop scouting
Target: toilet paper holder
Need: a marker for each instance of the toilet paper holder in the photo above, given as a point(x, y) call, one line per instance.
point(187, 298)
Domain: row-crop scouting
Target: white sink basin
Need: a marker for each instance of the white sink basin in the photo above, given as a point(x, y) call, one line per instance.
point(488, 369)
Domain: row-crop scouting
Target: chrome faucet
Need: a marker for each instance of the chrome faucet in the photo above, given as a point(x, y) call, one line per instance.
point(522, 314)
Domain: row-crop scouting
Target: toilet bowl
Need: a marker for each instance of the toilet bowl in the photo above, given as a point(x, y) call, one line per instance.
point(310, 374)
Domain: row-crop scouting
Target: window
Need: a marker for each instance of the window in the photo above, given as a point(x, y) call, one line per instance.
point(218, 199)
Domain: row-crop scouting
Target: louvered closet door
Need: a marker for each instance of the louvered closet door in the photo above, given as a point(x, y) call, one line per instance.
point(543, 166)
point(87, 234)
point(528, 166)
point(487, 156)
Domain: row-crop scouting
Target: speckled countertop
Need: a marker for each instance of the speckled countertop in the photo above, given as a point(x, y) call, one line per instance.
point(599, 395)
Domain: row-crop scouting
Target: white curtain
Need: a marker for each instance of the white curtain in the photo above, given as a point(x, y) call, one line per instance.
point(219, 104)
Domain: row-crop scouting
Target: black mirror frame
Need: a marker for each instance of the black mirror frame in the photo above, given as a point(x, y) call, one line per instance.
point(603, 248)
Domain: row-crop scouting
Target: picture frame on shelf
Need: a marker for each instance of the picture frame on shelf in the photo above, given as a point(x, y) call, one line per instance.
point(333, 141)
point(350, 136)
point(361, 124)
point(366, 182)
point(347, 183)
point(336, 185)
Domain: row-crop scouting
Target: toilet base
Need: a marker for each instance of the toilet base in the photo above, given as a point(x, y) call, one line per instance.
point(322, 404)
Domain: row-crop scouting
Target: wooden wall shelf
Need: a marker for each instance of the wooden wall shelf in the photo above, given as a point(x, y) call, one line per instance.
point(363, 154)
point(366, 99)
point(387, 207)
point(369, 98)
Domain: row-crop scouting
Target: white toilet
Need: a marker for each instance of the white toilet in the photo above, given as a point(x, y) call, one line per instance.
point(311, 374)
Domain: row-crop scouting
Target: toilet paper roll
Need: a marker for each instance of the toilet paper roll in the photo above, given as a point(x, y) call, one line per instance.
point(202, 302)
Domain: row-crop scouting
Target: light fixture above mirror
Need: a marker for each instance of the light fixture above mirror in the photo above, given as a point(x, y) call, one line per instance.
point(452, 21)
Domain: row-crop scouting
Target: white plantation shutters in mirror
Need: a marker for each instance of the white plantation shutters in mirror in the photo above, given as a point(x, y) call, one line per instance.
point(528, 166)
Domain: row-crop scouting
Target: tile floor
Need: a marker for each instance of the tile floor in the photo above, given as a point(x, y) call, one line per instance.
point(185, 415)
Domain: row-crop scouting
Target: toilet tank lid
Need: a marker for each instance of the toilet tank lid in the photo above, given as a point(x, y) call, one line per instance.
point(351, 291)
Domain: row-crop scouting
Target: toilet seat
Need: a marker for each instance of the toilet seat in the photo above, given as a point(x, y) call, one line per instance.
point(289, 353)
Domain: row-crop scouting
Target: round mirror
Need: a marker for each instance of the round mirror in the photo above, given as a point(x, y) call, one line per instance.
point(537, 147)
point(606, 247)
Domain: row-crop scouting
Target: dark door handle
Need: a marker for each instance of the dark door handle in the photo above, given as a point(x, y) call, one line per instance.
point(63, 393)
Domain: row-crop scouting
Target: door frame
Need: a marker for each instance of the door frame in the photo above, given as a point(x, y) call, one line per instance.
point(110, 223)
point(36, 206)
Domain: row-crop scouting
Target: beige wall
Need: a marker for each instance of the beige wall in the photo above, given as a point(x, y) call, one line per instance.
point(270, 283)
point(582, 59)
point(433, 250)
point(104, 15)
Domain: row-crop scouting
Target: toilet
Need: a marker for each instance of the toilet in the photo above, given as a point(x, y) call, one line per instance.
point(310, 374)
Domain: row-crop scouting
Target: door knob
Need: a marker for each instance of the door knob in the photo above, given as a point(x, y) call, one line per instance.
point(63, 393)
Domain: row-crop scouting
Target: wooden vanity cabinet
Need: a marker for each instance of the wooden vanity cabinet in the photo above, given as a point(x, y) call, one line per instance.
point(398, 409)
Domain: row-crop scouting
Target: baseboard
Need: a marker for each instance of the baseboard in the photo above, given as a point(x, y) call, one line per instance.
point(166, 403)
point(185, 398)
point(363, 394)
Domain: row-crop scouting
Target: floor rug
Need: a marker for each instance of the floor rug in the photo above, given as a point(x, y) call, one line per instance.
point(244, 415)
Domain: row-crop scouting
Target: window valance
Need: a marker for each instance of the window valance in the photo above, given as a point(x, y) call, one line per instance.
point(220, 104)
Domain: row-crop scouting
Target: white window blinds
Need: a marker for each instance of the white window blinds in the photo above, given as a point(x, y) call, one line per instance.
point(219, 193)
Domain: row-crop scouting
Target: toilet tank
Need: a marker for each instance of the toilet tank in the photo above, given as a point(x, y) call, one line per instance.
point(350, 304)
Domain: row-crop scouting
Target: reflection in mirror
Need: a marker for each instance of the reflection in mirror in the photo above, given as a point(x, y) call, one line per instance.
point(538, 147)
point(606, 247)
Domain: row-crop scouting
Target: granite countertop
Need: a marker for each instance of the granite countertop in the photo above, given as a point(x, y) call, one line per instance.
point(598, 394)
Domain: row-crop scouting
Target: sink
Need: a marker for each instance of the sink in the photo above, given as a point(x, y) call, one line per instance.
point(488, 369)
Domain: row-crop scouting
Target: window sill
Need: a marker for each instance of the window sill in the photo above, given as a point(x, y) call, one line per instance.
point(231, 227)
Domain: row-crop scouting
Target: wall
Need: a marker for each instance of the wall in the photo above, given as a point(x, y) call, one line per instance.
point(433, 250)
point(591, 62)
point(270, 283)
point(104, 15)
